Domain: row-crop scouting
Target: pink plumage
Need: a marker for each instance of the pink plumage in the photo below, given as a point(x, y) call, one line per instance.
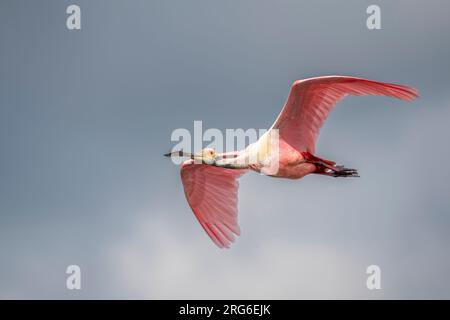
point(211, 187)
point(212, 195)
point(311, 100)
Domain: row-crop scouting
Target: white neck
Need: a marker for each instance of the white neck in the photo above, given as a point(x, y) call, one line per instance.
point(235, 162)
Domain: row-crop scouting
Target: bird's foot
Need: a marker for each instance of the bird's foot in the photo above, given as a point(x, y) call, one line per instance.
point(341, 171)
point(328, 167)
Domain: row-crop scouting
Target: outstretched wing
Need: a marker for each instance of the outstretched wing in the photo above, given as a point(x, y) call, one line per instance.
point(311, 100)
point(212, 195)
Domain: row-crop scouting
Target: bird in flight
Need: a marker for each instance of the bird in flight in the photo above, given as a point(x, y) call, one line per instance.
point(286, 150)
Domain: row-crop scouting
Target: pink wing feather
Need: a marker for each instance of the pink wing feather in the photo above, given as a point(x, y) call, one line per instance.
point(212, 195)
point(311, 100)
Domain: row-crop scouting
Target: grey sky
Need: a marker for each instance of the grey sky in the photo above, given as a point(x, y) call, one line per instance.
point(85, 117)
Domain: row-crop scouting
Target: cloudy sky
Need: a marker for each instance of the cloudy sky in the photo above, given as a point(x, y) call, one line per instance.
point(86, 115)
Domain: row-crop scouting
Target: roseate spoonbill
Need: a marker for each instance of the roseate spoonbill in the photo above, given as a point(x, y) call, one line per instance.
point(210, 179)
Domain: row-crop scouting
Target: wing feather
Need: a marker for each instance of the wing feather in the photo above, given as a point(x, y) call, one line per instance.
point(212, 195)
point(311, 100)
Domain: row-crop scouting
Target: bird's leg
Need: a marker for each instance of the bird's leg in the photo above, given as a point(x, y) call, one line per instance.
point(329, 168)
point(335, 171)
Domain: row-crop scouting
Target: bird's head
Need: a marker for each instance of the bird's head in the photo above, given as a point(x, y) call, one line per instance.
point(206, 155)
